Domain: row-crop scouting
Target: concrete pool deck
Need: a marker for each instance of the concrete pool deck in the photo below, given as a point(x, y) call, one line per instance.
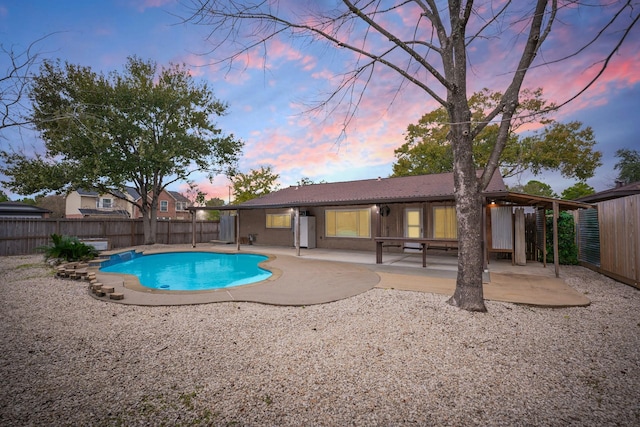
point(320, 276)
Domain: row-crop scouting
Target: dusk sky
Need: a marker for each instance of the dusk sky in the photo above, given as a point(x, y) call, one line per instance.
point(267, 101)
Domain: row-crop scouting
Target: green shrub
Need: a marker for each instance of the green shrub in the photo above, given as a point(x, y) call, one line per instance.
point(567, 248)
point(68, 248)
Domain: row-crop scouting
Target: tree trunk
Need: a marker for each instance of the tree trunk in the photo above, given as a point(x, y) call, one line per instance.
point(149, 224)
point(153, 225)
point(468, 294)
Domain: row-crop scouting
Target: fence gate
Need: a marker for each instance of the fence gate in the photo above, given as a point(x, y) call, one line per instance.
point(228, 228)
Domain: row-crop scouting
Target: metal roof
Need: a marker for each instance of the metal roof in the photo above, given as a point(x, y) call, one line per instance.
point(541, 201)
point(419, 188)
point(18, 209)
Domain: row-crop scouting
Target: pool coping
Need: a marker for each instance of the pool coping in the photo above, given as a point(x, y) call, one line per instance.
point(132, 282)
point(306, 280)
point(293, 281)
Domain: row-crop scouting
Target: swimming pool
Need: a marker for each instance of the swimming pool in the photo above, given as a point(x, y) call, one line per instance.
point(189, 271)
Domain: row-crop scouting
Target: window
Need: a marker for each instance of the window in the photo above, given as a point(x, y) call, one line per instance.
point(348, 223)
point(164, 206)
point(105, 203)
point(181, 206)
point(445, 222)
point(278, 221)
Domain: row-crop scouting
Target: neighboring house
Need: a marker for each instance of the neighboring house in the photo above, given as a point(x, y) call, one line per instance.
point(620, 190)
point(84, 204)
point(360, 215)
point(22, 211)
point(89, 204)
point(173, 205)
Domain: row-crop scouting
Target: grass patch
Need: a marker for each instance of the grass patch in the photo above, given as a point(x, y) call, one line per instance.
point(32, 265)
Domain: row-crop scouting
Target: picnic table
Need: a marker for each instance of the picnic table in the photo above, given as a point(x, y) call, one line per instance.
point(425, 243)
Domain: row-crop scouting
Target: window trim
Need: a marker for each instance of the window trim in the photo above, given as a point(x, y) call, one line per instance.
point(164, 203)
point(102, 205)
point(358, 211)
point(434, 225)
point(269, 224)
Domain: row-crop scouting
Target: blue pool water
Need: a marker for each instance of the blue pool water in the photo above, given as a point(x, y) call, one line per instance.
point(189, 271)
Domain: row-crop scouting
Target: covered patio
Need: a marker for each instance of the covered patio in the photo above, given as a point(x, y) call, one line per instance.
point(390, 216)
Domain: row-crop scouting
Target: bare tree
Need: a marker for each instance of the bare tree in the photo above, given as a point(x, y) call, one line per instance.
point(430, 45)
point(14, 82)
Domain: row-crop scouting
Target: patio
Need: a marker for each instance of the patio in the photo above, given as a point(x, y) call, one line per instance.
point(320, 276)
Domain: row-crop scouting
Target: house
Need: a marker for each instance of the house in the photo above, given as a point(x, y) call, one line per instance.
point(173, 205)
point(89, 204)
point(620, 190)
point(395, 214)
point(22, 211)
point(84, 204)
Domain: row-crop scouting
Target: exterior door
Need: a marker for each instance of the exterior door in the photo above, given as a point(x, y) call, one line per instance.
point(413, 228)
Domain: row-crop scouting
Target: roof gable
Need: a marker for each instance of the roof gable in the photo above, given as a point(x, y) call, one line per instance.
point(177, 196)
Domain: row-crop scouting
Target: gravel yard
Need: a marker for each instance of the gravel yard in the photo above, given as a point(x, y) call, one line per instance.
point(384, 357)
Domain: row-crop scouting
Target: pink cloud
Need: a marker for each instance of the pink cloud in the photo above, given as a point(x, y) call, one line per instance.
point(218, 188)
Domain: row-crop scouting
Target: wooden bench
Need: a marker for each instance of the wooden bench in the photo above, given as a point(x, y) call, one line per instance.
point(425, 243)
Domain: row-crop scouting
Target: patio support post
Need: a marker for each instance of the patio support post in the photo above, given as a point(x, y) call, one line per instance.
point(378, 222)
point(544, 237)
point(556, 256)
point(485, 253)
point(378, 234)
point(238, 230)
point(193, 228)
point(296, 224)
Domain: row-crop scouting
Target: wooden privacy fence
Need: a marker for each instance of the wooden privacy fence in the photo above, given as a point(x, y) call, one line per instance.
point(613, 233)
point(24, 236)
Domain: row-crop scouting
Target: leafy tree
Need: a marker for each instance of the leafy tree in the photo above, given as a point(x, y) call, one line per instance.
point(577, 190)
point(53, 202)
point(214, 215)
point(308, 181)
point(194, 195)
point(255, 183)
point(564, 147)
point(147, 127)
point(28, 201)
point(430, 46)
point(535, 188)
point(3, 197)
point(628, 165)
